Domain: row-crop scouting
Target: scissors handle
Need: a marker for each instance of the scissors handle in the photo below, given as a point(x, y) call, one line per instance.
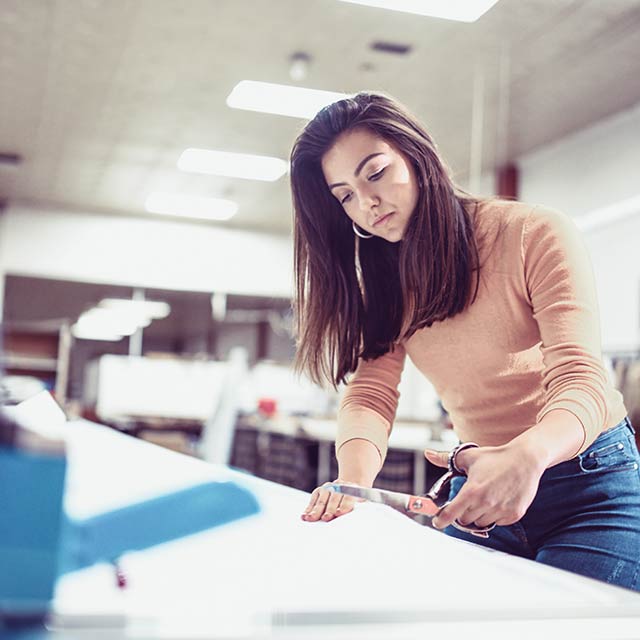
point(453, 454)
point(474, 530)
point(440, 489)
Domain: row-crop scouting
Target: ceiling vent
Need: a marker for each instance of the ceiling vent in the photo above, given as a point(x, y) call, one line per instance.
point(10, 159)
point(391, 47)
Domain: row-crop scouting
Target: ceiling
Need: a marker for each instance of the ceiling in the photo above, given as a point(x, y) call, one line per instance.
point(100, 97)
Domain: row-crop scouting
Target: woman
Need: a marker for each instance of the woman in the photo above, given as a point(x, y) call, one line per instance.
point(494, 302)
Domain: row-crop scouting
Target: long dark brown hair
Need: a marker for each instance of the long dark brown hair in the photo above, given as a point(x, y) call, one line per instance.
point(357, 298)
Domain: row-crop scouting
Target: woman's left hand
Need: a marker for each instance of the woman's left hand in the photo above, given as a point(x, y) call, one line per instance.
point(501, 484)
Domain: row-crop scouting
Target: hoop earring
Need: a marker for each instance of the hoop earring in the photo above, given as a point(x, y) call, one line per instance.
point(359, 233)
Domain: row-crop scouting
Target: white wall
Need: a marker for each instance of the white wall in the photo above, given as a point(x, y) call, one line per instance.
point(589, 170)
point(615, 251)
point(143, 252)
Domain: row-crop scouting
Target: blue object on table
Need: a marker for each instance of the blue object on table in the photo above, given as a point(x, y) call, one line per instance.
point(107, 536)
point(31, 490)
point(38, 542)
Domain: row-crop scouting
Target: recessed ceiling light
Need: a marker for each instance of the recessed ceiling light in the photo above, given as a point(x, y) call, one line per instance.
point(299, 68)
point(462, 10)
point(234, 165)
point(173, 204)
point(281, 99)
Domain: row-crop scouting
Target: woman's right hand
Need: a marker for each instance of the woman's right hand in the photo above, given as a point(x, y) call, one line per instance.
point(326, 505)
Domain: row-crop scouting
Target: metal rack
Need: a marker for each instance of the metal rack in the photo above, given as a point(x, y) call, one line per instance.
point(40, 349)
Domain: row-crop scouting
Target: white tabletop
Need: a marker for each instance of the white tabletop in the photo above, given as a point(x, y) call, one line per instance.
point(371, 574)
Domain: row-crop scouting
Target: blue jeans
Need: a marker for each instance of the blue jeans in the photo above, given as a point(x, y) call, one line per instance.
point(585, 517)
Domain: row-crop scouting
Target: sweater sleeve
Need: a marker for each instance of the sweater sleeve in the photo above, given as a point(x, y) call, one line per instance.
point(369, 403)
point(561, 289)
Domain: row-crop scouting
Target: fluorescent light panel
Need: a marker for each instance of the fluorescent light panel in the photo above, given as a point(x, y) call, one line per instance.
point(114, 318)
point(173, 204)
point(137, 308)
point(115, 321)
point(101, 324)
point(90, 333)
point(461, 10)
point(233, 165)
point(281, 99)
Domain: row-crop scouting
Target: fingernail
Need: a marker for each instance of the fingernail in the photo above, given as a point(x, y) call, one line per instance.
point(435, 523)
point(327, 516)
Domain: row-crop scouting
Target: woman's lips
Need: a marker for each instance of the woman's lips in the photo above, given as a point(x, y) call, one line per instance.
point(381, 221)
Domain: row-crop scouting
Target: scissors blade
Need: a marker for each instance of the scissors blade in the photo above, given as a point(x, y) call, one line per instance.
point(403, 502)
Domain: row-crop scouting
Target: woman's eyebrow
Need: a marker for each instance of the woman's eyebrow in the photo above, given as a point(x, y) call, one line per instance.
point(356, 173)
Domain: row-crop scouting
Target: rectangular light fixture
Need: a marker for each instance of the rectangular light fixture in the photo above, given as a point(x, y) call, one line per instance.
point(174, 204)
point(281, 99)
point(233, 165)
point(461, 10)
point(82, 332)
point(139, 309)
point(103, 324)
point(114, 318)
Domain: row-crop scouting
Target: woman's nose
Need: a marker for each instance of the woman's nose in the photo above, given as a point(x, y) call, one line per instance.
point(368, 200)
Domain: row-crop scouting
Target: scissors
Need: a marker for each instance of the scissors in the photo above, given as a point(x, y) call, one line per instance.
point(428, 505)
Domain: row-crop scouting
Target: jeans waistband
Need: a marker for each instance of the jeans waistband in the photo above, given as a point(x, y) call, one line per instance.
point(612, 433)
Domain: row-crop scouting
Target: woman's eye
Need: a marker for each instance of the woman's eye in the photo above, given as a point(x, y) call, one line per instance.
point(377, 175)
point(345, 199)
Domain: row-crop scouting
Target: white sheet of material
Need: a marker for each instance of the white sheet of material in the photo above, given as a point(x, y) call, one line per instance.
point(273, 575)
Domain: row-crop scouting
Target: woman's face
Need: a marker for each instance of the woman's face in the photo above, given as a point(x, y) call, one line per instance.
point(374, 182)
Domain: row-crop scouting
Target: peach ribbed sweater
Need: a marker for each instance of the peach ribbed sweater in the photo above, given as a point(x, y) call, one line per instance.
point(530, 342)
